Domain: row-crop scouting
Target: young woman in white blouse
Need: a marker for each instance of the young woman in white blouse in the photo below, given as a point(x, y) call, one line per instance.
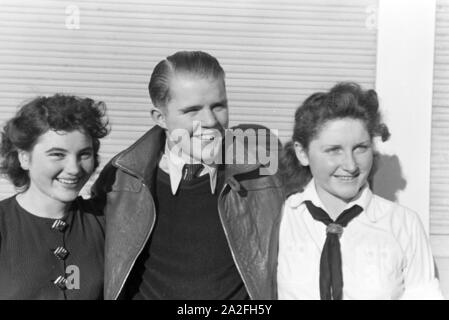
point(337, 240)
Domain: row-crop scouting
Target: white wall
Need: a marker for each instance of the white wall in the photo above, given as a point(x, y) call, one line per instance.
point(404, 81)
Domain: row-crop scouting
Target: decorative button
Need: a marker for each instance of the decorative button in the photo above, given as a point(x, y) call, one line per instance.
point(60, 282)
point(60, 252)
point(59, 225)
point(334, 228)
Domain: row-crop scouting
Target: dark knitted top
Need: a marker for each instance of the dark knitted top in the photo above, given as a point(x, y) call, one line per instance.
point(28, 266)
point(187, 256)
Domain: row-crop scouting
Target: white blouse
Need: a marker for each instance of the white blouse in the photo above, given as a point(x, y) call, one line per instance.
point(385, 251)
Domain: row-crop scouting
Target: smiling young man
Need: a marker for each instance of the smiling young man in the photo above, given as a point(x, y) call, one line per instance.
point(181, 224)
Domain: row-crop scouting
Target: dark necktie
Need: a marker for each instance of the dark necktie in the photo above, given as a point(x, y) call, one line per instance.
point(191, 171)
point(331, 275)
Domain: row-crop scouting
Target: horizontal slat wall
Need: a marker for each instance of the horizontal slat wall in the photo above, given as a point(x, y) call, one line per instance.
point(275, 53)
point(439, 161)
point(439, 183)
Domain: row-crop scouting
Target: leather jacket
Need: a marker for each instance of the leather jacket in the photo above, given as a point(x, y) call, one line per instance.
point(248, 205)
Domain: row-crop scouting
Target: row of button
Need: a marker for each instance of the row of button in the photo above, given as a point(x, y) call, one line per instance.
point(60, 252)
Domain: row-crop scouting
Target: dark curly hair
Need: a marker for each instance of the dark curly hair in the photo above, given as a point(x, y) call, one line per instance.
point(344, 100)
point(58, 112)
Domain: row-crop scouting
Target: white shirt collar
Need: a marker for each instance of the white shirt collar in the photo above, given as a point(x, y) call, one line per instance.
point(311, 194)
point(395, 239)
point(172, 164)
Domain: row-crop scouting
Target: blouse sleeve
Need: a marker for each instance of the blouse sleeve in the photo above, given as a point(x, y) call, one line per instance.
point(419, 272)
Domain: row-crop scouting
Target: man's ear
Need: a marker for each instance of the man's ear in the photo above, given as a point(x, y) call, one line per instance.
point(159, 117)
point(301, 154)
point(24, 159)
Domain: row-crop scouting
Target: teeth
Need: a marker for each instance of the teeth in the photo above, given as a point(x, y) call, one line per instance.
point(206, 137)
point(68, 181)
point(346, 178)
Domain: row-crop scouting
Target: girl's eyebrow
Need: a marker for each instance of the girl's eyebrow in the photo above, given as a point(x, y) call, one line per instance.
point(364, 142)
point(331, 145)
point(56, 149)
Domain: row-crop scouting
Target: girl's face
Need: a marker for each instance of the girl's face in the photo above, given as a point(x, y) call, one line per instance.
point(59, 165)
point(340, 158)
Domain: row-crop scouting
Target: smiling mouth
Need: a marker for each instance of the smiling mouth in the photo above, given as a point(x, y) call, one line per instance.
point(69, 182)
point(206, 137)
point(346, 178)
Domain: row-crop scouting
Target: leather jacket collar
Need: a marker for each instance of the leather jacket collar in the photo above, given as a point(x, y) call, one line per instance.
point(142, 158)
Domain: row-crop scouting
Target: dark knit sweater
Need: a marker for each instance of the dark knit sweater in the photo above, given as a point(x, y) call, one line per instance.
point(187, 256)
point(28, 266)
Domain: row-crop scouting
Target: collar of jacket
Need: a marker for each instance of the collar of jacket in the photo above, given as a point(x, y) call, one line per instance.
point(142, 157)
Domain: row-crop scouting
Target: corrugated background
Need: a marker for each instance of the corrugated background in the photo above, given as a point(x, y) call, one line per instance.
point(275, 53)
point(439, 181)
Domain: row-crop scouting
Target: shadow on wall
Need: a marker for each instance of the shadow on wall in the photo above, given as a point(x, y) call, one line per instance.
point(387, 179)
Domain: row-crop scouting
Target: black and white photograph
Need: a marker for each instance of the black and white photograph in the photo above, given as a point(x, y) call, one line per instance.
point(228, 151)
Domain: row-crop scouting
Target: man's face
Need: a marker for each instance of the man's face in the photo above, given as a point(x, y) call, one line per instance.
point(196, 116)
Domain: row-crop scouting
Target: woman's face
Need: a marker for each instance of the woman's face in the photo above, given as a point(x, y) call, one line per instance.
point(340, 158)
point(59, 164)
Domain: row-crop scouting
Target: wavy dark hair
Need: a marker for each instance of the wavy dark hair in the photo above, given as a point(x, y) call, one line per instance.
point(344, 100)
point(58, 112)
